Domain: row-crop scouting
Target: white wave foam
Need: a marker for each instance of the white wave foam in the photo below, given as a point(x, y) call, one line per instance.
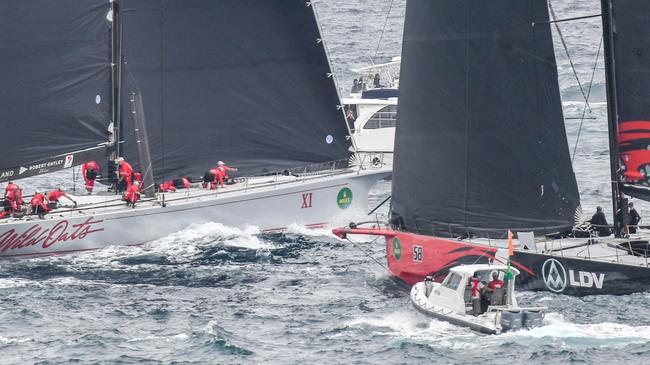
point(412, 326)
point(8, 341)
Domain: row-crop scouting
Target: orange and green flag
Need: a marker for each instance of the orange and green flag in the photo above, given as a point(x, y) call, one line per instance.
point(511, 251)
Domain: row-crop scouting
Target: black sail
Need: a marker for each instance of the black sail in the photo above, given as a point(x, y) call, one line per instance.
point(243, 81)
point(627, 51)
point(55, 89)
point(480, 144)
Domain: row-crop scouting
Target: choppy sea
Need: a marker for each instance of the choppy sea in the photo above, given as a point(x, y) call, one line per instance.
point(212, 294)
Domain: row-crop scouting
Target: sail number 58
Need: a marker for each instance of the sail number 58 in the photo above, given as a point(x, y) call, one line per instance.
point(417, 253)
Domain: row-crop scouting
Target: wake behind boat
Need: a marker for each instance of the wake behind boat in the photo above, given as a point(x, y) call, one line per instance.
point(455, 300)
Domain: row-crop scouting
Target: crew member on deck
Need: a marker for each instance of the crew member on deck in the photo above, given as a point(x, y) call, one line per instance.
point(10, 201)
point(635, 218)
point(124, 175)
point(172, 185)
point(39, 205)
point(90, 170)
point(167, 187)
point(132, 194)
point(599, 221)
point(17, 194)
point(224, 171)
point(210, 178)
point(54, 196)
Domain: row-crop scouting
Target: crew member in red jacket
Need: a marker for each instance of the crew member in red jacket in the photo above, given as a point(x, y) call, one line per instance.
point(39, 204)
point(167, 187)
point(132, 194)
point(211, 177)
point(124, 175)
point(90, 170)
point(54, 196)
point(224, 169)
point(17, 194)
point(9, 203)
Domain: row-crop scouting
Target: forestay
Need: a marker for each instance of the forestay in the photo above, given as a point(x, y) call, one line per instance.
point(480, 144)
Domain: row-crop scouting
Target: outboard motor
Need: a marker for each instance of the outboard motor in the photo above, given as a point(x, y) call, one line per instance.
point(532, 319)
point(511, 321)
point(428, 285)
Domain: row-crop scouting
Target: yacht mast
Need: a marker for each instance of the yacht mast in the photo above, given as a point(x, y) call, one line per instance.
point(612, 108)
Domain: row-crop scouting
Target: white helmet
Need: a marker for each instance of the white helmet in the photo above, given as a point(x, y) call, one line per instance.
point(220, 163)
point(136, 183)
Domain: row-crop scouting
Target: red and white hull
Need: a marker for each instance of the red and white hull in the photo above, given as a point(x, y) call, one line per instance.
point(270, 203)
point(572, 271)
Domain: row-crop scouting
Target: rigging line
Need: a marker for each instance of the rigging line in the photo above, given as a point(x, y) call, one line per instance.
point(381, 36)
point(566, 50)
point(584, 109)
point(366, 253)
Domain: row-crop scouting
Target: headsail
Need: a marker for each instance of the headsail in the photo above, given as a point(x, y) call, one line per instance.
point(480, 145)
point(627, 54)
point(55, 89)
point(244, 81)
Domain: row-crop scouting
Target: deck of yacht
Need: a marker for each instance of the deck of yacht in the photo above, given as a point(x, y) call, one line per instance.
point(106, 202)
point(604, 249)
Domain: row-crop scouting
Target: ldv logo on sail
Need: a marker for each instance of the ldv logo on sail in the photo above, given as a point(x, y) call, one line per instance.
point(556, 278)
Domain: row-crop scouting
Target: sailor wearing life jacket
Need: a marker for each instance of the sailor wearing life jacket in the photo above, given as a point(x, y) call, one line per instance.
point(172, 185)
point(210, 178)
point(132, 194)
point(39, 204)
point(55, 195)
point(12, 201)
point(89, 171)
point(167, 187)
point(476, 286)
point(124, 175)
point(223, 169)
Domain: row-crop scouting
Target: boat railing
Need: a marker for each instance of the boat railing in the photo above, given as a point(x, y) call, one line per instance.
point(460, 232)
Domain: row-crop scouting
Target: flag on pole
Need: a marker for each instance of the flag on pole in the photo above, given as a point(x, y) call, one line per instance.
point(511, 251)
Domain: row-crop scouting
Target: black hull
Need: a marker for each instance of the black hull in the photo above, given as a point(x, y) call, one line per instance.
point(578, 277)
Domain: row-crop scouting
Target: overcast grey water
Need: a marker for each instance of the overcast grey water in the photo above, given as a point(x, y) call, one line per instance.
point(216, 294)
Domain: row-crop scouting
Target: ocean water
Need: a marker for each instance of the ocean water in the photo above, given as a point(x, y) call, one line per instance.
point(212, 294)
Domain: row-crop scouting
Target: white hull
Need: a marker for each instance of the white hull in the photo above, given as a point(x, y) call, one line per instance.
point(270, 203)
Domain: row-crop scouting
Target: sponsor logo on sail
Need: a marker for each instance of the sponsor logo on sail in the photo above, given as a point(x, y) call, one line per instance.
point(557, 278)
point(344, 198)
point(68, 161)
point(6, 174)
point(397, 248)
point(22, 170)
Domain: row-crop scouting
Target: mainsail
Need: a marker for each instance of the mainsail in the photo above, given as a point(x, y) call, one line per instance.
point(55, 89)
point(244, 81)
point(627, 48)
point(480, 145)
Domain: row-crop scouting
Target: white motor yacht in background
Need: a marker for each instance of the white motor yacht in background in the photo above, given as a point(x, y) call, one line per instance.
point(371, 111)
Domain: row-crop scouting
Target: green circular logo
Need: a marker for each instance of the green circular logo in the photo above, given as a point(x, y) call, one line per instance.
point(344, 199)
point(397, 248)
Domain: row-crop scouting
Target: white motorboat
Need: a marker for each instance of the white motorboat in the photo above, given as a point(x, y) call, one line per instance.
point(451, 301)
